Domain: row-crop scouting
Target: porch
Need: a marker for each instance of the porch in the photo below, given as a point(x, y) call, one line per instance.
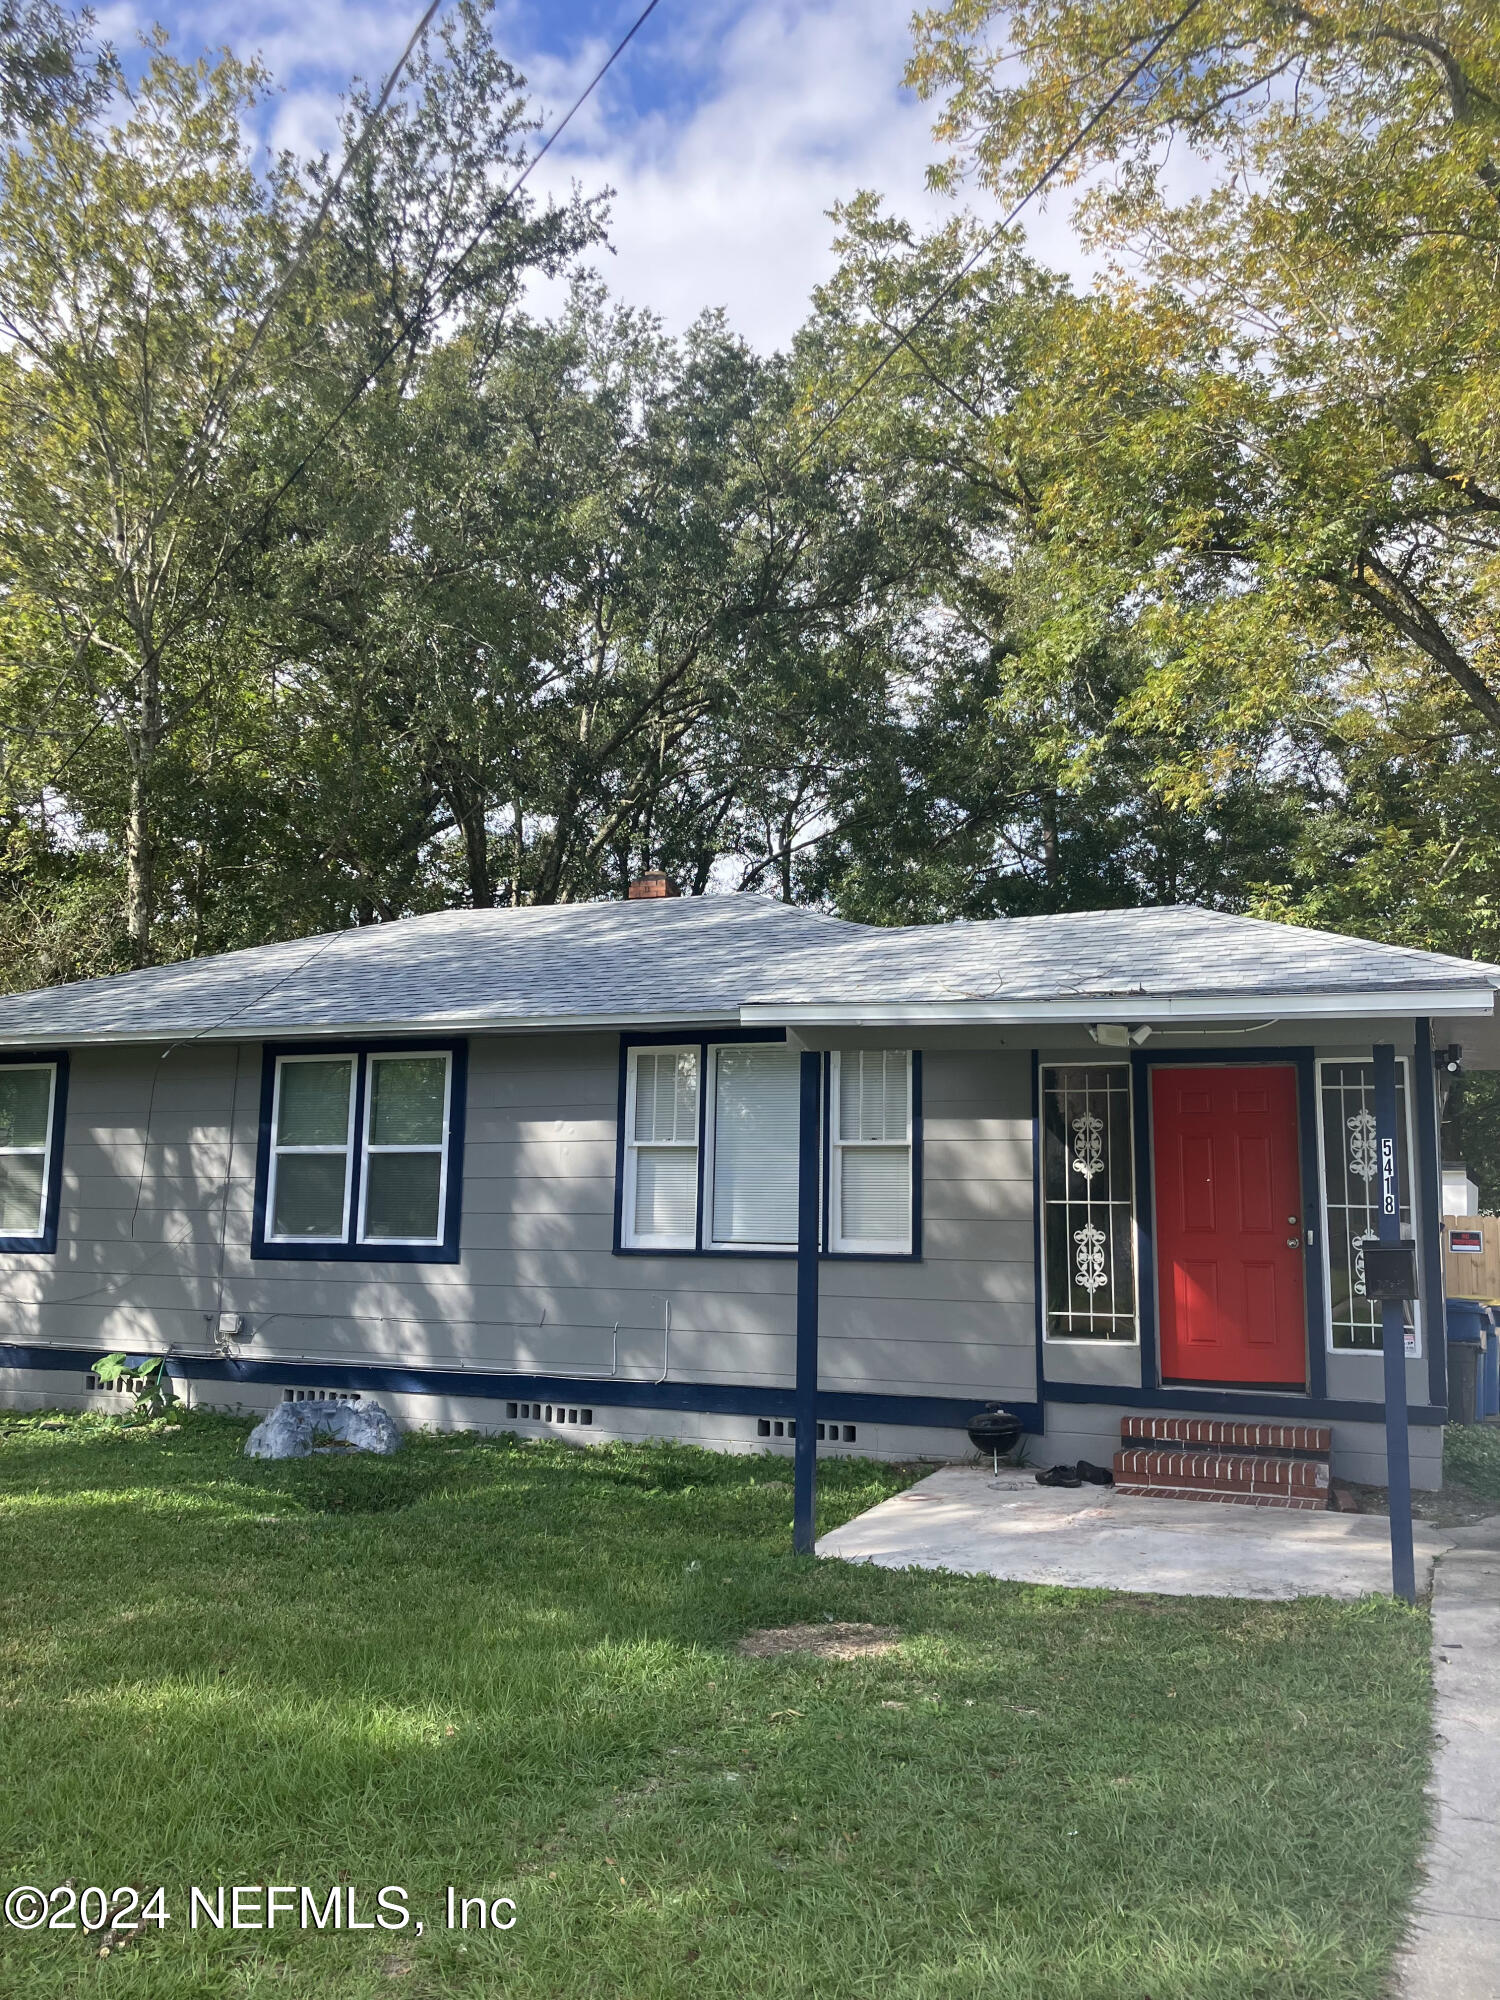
point(1095, 1539)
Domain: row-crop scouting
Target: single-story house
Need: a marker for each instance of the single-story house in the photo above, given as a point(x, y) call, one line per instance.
point(548, 1170)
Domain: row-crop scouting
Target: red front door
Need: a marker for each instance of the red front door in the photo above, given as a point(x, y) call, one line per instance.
point(1229, 1228)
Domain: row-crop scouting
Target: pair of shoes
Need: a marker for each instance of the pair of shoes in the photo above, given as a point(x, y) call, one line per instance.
point(1076, 1475)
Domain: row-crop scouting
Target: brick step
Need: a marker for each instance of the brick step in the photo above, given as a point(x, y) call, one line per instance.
point(1298, 1440)
point(1295, 1503)
point(1261, 1479)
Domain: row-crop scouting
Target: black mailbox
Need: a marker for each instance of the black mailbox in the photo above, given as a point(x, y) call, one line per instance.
point(1390, 1270)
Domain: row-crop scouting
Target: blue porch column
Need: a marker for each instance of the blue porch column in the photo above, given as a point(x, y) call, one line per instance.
point(1429, 1213)
point(1393, 1333)
point(809, 1202)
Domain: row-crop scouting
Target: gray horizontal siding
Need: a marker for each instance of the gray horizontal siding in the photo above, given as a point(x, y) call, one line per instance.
point(159, 1168)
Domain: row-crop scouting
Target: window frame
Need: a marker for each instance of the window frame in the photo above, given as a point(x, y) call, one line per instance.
point(1093, 1343)
point(1405, 1074)
point(367, 1146)
point(704, 1041)
point(838, 1245)
point(347, 1149)
point(629, 1152)
point(42, 1242)
point(352, 1247)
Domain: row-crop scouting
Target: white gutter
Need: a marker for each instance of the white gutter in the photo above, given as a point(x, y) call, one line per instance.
point(364, 1031)
point(1136, 1009)
point(1157, 1009)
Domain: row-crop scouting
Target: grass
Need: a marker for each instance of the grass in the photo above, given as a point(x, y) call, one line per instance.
point(511, 1667)
point(1471, 1460)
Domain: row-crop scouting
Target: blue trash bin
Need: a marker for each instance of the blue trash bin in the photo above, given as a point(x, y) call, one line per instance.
point(1489, 1397)
point(1468, 1338)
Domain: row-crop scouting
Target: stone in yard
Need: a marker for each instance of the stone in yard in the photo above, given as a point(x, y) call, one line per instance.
point(297, 1430)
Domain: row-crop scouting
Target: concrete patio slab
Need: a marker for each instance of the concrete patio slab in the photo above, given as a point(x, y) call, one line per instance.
point(1094, 1538)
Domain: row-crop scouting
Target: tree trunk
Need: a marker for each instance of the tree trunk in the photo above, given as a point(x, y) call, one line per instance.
point(476, 837)
point(140, 854)
point(1050, 859)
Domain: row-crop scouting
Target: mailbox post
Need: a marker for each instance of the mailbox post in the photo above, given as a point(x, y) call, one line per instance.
point(1390, 1278)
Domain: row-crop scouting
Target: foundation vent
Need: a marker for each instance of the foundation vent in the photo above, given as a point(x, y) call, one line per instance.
point(320, 1395)
point(123, 1385)
point(775, 1427)
point(548, 1413)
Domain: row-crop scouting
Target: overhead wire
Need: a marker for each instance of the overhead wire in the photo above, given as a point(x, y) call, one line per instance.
point(491, 215)
point(218, 401)
point(1048, 174)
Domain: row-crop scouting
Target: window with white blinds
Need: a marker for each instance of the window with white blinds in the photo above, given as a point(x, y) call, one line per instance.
point(870, 1179)
point(735, 1188)
point(659, 1208)
point(756, 1107)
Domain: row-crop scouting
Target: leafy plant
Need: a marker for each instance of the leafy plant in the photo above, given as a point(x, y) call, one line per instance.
point(150, 1370)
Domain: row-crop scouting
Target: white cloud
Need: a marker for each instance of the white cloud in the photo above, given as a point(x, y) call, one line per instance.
point(777, 110)
point(727, 205)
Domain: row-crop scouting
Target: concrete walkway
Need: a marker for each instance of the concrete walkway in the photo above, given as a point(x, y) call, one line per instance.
point(1094, 1538)
point(1454, 1949)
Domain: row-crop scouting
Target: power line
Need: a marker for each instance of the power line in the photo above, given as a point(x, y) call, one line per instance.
point(1053, 168)
point(557, 131)
point(490, 216)
point(217, 404)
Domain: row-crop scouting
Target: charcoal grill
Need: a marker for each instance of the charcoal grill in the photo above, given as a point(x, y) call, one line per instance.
point(995, 1430)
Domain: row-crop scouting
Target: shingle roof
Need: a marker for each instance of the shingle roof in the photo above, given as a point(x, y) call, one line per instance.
point(1177, 951)
point(719, 959)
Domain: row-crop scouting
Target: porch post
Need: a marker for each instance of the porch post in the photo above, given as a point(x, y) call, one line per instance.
point(1429, 1211)
point(809, 1202)
point(1393, 1334)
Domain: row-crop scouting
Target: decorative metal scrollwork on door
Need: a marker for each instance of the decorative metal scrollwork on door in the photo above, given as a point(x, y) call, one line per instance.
point(1088, 1145)
point(1362, 1145)
point(1091, 1271)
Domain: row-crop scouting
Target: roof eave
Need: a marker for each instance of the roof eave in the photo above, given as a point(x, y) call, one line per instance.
point(1137, 1009)
point(364, 1031)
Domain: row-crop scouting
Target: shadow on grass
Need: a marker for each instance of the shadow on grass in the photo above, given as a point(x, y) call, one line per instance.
point(513, 1667)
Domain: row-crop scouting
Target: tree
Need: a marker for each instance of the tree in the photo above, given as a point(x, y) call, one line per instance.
point(1329, 306)
point(596, 613)
point(1021, 771)
point(46, 64)
point(183, 337)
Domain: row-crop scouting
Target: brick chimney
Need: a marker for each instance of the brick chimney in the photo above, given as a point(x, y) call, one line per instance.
point(647, 887)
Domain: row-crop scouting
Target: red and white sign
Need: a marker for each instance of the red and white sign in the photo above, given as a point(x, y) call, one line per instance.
point(1471, 1240)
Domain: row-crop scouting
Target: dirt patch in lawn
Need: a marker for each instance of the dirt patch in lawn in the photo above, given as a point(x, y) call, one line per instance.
point(824, 1642)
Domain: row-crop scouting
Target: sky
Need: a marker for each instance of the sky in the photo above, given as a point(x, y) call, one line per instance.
point(727, 129)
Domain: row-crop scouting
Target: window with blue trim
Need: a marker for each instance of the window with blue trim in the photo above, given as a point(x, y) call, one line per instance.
point(30, 1153)
point(360, 1153)
point(1088, 1203)
point(709, 1149)
point(870, 1178)
point(1346, 1109)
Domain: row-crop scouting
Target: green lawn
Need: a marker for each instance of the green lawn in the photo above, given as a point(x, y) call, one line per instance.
point(512, 1668)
